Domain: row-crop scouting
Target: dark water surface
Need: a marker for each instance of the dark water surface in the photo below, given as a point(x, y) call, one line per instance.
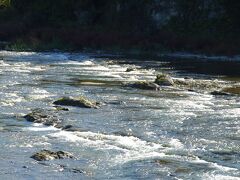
point(137, 134)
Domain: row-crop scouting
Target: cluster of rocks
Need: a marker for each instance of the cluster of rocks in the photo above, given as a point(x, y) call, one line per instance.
point(50, 118)
point(165, 80)
point(161, 80)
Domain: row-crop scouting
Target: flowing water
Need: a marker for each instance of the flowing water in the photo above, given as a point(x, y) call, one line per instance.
point(137, 134)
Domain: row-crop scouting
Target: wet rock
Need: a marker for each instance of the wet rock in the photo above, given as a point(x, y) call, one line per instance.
point(59, 108)
point(39, 116)
point(145, 85)
point(78, 102)
point(164, 80)
point(219, 93)
point(46, 155)
point(70, 128)
point(131, 69)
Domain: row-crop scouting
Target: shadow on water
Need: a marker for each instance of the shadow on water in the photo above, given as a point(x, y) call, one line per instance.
point(196, 66)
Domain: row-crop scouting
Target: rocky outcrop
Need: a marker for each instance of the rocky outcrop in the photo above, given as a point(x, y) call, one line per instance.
point(44, 117)
point(164, 80)
point(49, 118)
point(145, 85)
point(46, 155)
point(77, 102)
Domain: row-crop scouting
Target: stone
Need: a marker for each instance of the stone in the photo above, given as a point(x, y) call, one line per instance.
point(130, 69)
point(46, 155)
point(70, 128)
point(164, 80)
point(145, 85)
point(77, 102)
point(219, 93)
point(59, 108)
point(44, 117)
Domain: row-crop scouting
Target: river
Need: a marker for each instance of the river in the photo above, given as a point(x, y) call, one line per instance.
point(136, 134)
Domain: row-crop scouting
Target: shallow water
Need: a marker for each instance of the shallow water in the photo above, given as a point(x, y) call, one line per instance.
point(137, 134)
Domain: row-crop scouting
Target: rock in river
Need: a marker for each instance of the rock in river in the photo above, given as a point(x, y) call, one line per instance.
point(219, 93)
point(145, 85)
point(40, 116)
point(46, 155)
point(78, 102)
point(130, 69)
point(164, 80)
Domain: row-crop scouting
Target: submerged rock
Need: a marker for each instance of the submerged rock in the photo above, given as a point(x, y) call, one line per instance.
point(78, 102)
point(164, 80)
point(145, 85)
point(46, 155)
point(39, 116)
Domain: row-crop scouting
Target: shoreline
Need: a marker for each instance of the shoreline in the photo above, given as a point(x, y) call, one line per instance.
point(134, 54)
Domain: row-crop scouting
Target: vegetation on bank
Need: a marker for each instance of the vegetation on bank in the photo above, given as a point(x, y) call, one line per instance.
point(203, 26)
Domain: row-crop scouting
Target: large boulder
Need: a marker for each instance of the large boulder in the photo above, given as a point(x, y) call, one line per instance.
point(46, 155)
point(78, 102)
point(44, 117)
point(164, 80)
point(145, 85)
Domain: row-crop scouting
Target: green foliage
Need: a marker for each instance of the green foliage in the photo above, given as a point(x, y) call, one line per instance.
point(5, 3)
